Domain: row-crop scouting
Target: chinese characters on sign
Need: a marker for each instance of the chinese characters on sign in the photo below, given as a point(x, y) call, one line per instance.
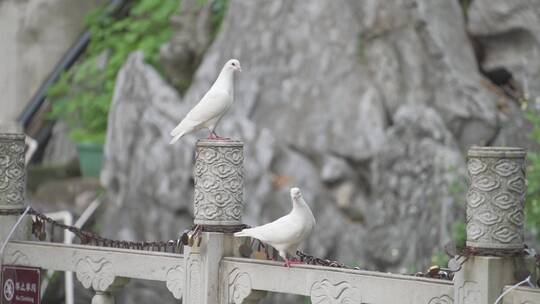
point(20, 285)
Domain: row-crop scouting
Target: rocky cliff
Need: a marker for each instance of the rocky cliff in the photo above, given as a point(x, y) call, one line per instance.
point(367, 106)
point(35, 34)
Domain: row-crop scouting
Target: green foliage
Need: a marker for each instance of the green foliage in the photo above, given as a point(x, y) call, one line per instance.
point(532, 205)
point(82, 96)
point(459, 233)
point(440, 258)
point(219, 7)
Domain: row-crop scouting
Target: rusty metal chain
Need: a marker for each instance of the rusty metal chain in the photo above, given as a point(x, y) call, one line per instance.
point(503, 253)
point(463, 254)
point(311, 260)
point(222, 229)
point(189, 236)
point(90, 238)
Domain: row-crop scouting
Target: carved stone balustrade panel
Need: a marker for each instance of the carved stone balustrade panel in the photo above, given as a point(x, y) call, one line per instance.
point(522, 295)
point(100, 268)
point(242, 278)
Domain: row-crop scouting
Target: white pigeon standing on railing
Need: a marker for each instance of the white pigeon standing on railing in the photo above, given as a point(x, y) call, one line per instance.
point(286, 233)
point(210, 109)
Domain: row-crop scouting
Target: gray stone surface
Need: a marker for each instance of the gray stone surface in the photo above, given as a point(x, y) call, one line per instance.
point(12, 171)
point(192, 35)
point(509, 33)
point(219, 183)
point(13, 186)
point(367, 106)
point(496, 198)
point(34, 34)
point(60, 149)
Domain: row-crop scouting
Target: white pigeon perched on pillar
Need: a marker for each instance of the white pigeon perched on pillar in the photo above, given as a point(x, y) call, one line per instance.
point(213, 105)
point(287, 232)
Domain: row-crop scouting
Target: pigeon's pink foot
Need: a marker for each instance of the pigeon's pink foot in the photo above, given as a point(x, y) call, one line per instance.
point(214, 136)
point(295, 261)
point(287, 263)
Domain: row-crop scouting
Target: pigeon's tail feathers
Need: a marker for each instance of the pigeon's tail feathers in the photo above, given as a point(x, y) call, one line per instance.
point(184, 127)
point(242, 233)
point(251, 232)
point(180, 128)
point(176, 138)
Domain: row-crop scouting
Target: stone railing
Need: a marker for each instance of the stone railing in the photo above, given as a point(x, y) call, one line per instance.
point(213, 272)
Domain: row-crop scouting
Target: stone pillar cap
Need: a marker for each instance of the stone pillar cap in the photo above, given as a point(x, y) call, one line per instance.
point(503, 152)
point(219, 143)
point(12, 136)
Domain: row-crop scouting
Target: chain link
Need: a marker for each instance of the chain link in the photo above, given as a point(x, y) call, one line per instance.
point(311, 260)
point(90, 238)
point(175, 246)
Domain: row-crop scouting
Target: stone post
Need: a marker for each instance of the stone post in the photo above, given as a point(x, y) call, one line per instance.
point(218, 204)
point(495, 201)
point(219, 182)
point(13, 185)
point(496, 198)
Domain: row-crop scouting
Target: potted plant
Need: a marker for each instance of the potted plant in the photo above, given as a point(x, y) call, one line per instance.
point(79, 98)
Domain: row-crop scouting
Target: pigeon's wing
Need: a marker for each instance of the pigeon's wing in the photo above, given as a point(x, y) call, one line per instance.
point(213, 104)
point(281, 231)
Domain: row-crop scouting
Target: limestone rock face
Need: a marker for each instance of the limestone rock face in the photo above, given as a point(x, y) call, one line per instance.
point(35, 34)
point(192, 35)
point(509, 35)
point(367, 106)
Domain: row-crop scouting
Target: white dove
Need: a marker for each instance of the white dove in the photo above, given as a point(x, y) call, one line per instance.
point(286, 233)
point(208, 112)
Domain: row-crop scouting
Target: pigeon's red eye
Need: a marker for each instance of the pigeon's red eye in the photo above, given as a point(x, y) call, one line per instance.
point(233, 64)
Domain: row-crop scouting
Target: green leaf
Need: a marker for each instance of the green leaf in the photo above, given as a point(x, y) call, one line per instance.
point(82, 96)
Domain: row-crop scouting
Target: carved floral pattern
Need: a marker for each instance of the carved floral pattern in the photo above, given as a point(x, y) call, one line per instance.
point(516, 217)
point(495, 198)
point(19, 258)
point(517, 184)
point(475, 198)
point(476, 166)
point(505, 234)
point(175, 281)
point(469, 293)
point(218, 182)
point(505, 167)
point(325, 292)
point(504, 200)
point(474, 231)
point(12, 173)
point(98, 274)
point(487, 183)
point(488, 218)
point(444, 299)
point(239, 286)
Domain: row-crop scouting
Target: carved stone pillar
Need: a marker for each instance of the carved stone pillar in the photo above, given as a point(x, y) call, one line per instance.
point(219, 182)
point(496, 198)
point(12, 184)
